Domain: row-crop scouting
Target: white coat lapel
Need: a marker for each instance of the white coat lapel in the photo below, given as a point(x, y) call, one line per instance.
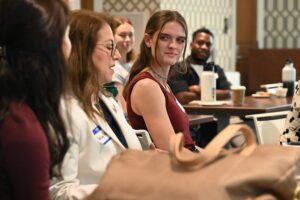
point(118, 114)
point(114, 108)
point(106, 128)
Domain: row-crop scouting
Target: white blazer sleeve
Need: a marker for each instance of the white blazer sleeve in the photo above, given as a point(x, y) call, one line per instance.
point(64, 190)
point(69, 187)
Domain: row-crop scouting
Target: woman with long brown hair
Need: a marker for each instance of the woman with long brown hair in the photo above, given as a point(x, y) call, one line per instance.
point(97, 128)
point(151, 104)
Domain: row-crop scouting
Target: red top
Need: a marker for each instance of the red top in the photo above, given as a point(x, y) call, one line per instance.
point(24, 156)
point(178, 117)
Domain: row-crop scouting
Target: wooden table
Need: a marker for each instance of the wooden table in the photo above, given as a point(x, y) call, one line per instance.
point(251, 106)
point(200, 119)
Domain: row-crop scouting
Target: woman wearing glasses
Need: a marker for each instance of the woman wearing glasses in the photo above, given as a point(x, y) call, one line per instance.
point(97, 127)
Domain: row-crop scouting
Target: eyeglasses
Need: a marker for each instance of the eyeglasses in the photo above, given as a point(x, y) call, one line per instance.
point(112, 47)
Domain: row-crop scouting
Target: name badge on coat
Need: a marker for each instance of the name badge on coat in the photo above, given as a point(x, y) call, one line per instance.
point(101, 137)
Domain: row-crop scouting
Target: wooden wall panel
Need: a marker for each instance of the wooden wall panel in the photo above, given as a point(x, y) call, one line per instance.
point(245, 36)
point(265, 66)
point(87, 4)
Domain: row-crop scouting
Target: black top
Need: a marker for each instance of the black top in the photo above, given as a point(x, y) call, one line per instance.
point(113, 124)
point(180, 82)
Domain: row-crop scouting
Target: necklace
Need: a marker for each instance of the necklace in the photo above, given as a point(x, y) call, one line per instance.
point(157, 74)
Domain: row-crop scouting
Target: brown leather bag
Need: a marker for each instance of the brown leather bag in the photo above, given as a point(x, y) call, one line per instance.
point(252, 172)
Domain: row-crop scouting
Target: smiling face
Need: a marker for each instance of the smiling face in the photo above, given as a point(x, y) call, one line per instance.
point(171, 42)
point(105, 54)
point(124, 37)
point(201, 45)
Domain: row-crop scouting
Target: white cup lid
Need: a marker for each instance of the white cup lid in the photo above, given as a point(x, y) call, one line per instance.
point(240, 87)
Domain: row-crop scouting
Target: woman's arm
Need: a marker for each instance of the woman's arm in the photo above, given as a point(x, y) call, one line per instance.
point(148, 100)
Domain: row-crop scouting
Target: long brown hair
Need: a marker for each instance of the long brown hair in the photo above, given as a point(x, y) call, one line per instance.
point(115, 22)
point(154, 24)
point(33, 70)
point(84, 27)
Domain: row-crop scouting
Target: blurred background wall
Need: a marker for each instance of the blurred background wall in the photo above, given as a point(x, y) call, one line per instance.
point(251, 37)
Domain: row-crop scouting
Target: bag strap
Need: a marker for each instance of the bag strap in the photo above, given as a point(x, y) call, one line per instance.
point(227, 134)
point(176, 150)
point(213, 149)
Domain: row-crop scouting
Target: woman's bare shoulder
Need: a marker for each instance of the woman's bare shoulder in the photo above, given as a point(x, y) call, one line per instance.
point(146, 85)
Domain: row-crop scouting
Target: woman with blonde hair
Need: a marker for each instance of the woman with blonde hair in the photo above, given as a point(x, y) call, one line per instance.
point(124, 36)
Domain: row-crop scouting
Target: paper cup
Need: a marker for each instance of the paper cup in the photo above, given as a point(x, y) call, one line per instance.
point(281, 92)
point(238, 95)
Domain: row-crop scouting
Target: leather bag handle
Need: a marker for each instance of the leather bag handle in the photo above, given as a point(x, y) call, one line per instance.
point(183, 157)
point(227, 134)
point(213, 149)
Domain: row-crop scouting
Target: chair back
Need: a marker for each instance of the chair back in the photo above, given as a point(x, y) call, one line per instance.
point(144, 138)
point(234, 77)
point(269, 126)
point(271, 88)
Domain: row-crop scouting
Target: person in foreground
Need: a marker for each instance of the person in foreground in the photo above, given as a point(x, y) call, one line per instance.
point(185, 85)
point(98, 129)
point(33, 141)
point(151, 104)
point(125, 38)
point(291, 131)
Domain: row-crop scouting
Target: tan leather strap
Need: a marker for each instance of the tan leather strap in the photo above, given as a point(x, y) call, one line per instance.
point(186, 157)
point(213, 149)
point(226, 135)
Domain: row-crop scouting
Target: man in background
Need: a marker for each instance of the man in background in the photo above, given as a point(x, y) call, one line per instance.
point(186, 86)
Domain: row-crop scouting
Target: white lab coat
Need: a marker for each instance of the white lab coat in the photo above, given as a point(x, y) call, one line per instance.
point(87, 157)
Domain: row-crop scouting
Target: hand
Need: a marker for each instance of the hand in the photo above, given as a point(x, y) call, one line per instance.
point(195, 89)
point(153, 147)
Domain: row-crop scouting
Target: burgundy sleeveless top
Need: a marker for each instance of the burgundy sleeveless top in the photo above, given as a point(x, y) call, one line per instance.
point(178, 117)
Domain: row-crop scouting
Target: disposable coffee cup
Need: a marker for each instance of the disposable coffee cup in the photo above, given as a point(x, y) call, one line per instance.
point(281, 92)
point(238, 95)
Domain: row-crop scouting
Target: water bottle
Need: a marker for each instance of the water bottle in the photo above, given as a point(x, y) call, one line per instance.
point(208, 84)
point(289, 77)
